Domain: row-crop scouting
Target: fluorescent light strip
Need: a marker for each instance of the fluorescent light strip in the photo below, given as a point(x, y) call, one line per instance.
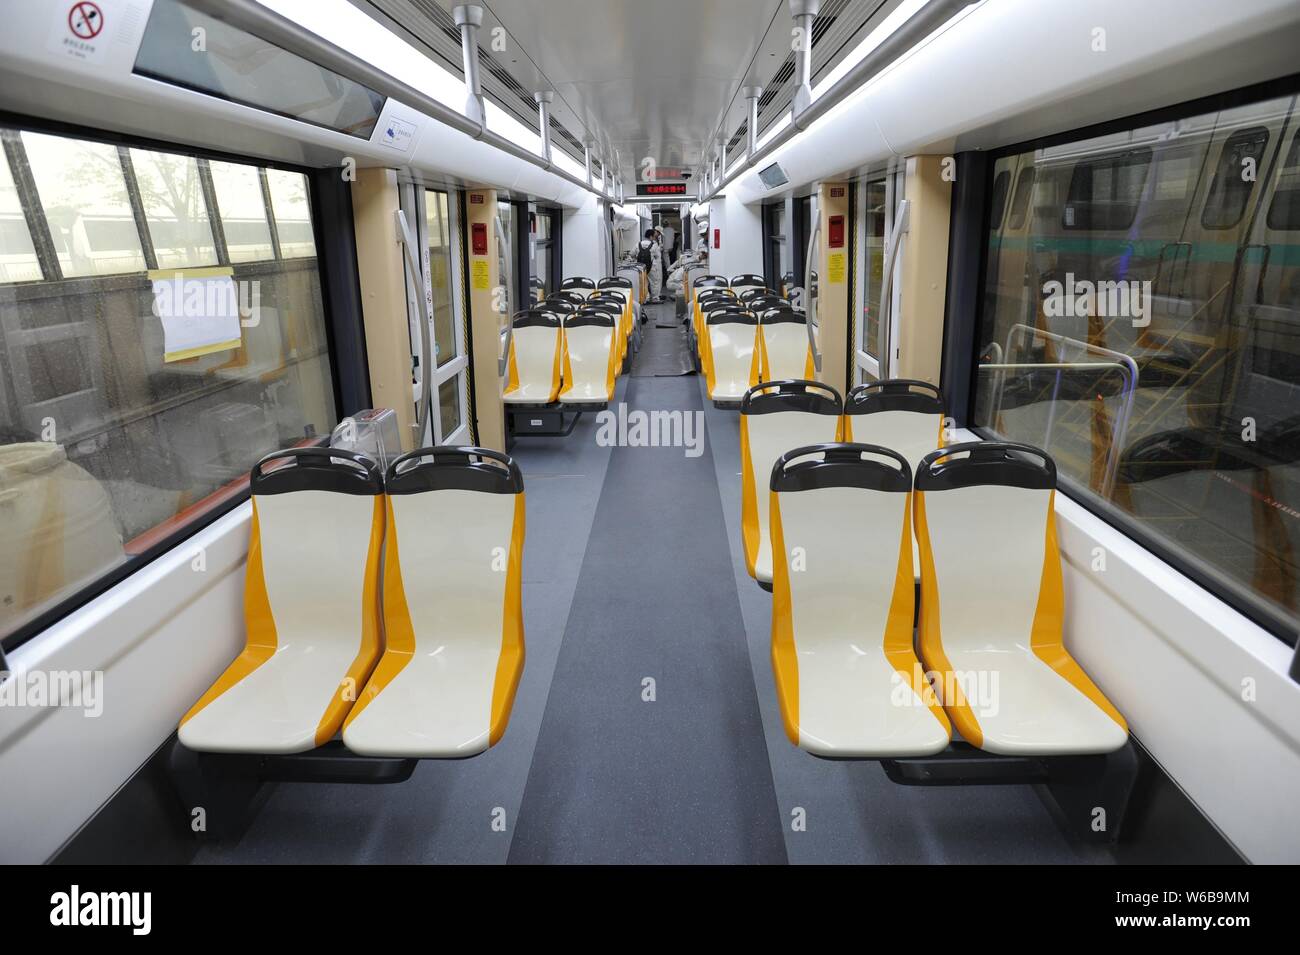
point(340, 23)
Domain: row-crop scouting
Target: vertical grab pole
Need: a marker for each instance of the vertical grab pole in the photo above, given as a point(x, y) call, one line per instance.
point(886, 286)
point(422, 414)
point(808, 309)
point(503, 360)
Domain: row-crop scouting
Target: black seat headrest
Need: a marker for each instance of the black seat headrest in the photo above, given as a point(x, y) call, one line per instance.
point(316, 469)
point(841, 464)
point(792, 394)
point(982, 463)
point(454, 468)
point(895, 394)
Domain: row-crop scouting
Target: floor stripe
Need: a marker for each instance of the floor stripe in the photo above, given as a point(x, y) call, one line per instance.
point(685, 778)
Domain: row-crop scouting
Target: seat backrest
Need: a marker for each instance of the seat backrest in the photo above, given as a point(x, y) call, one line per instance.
point(783, 340)
point(306, 572)
point(590, 354)
point(573, 296)
point(615, 282)
point(760, 302)
point(749, 294)
point(561, 305)
point(901, 413)
point(747, 280)
point(733, 360)
point(610, 304)
point(579, 284)
point(311, 582)
point(986, 527)
point(534, 359)
point(453, 561)
point(831, 590)
point(776, 417)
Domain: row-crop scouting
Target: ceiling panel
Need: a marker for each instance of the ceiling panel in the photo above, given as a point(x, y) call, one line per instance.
point(648, 78)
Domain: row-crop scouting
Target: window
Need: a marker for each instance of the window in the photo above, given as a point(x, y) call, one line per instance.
point(81, 188)
point(1234, 178)
point(1284, 209)
point(243, 211)
point(242, 68)
point(999, 201)
point(172, 197)
point(542, 252)
point(18, 262)
point(779, 253)
point(1161, 367)
point(872, 341)
point(1104, 193)
point(292, 216)
point(438, 232)
point(1020, 198)
point(113, 437)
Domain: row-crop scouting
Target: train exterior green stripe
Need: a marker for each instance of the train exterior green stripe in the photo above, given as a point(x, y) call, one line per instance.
point(1279, 254)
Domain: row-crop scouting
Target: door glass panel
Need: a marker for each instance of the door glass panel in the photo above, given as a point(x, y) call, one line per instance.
point(438, 230)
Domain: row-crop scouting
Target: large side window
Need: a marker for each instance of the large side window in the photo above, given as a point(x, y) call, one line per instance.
point(1144, 329)
point(131, 406)
point(18, 260)
point(82, 191)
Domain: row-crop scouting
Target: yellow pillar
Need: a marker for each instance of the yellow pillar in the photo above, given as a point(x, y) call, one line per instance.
point(833, 282)
point(380, 270)
point(923, 281)
point(485, 321)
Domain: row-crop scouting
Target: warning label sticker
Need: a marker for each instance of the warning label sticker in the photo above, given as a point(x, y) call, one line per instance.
point(835, 267)
point(479, 275)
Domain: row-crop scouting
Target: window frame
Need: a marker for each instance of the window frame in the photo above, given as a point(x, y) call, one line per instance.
point(345, 364)
point(963, 320)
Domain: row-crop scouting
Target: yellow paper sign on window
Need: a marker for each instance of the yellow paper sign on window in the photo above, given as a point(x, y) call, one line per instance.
point(479, 274)
point(199, 311)
point(835, 267)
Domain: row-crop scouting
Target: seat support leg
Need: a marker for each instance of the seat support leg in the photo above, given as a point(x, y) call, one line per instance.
point(223, 791)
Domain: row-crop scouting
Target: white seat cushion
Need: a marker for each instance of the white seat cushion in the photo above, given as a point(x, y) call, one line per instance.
point(988, 547)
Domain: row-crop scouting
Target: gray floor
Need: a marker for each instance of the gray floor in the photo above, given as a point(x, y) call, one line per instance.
point(633, 569)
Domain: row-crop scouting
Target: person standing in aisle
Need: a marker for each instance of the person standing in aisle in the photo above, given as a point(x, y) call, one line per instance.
point(649, 254)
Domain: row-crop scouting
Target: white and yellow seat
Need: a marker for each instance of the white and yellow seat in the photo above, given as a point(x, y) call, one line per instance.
point(454, 649)
point(732, 367)
point(774, 418)
point(847, 679)
point(579, 285)
point(590, 357)
point(533, 366)
point(992, 605)
point(311, 607)
point(901, 413)
point(612, 305)
point(709, 304)
point(784, 349)
point(740, 283)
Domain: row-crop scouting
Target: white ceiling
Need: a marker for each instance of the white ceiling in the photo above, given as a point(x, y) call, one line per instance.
point(651, 77)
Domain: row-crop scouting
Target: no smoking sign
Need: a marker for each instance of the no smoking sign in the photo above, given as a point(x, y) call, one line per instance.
point(78, 26)
point(85, 20)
